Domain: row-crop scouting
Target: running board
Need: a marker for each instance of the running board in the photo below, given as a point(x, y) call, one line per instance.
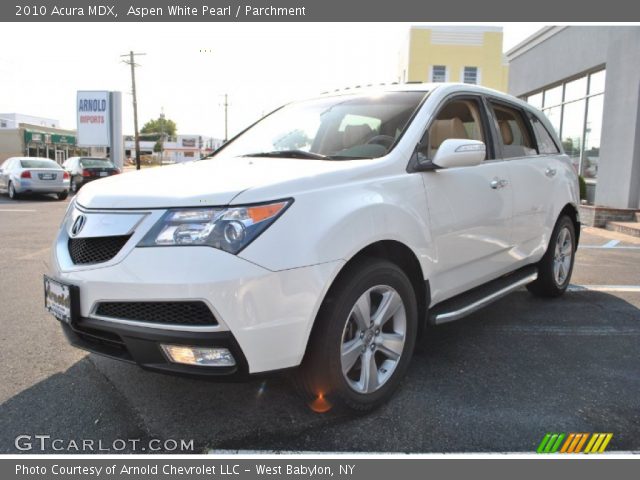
point(479, 297)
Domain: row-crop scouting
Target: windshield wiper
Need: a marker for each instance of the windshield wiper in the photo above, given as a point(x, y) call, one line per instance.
point(289, 154)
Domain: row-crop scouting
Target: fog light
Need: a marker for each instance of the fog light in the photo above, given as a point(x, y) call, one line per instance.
point(204, 356)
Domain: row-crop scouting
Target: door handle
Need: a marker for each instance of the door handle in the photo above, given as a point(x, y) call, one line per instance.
point(498, 183)
point(550, 172)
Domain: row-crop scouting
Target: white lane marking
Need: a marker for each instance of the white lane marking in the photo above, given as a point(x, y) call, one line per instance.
point(566, 330)
point(611, 244)
point(16, 210)
point(597, 247)
point(604, 288)
point(310, 454)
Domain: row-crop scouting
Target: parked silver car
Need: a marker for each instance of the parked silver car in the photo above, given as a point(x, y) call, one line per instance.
point(20, 175)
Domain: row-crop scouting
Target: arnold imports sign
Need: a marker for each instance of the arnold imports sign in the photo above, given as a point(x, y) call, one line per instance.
point(94, 128)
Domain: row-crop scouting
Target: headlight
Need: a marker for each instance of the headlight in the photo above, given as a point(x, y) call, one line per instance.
point(229, 229)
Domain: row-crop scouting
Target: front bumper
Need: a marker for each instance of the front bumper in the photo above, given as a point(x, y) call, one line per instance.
point(264, 316)
point(140, 345)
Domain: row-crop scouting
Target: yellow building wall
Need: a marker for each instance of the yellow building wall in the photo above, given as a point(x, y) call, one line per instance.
point(487, 57)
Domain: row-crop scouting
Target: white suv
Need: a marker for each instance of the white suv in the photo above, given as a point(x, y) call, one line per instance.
point(328, 235)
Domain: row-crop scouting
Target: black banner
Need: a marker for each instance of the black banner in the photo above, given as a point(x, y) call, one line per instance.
point(317, 469)
point(318, 11)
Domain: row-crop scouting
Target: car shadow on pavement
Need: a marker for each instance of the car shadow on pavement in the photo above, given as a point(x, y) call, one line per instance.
point(77, 404)
point(103, 399)
point(28, 199)
point(496, 381)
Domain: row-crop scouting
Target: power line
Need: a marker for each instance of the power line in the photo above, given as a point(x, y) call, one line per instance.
point(133, 64)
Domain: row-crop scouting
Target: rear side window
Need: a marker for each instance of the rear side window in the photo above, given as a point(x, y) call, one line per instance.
point(95, 163)
point(513, 132)
point(546, 145)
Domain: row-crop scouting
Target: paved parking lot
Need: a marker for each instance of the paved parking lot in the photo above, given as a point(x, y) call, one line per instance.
point(495, 381)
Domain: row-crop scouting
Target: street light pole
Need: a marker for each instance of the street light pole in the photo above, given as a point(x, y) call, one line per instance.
point(131, 62)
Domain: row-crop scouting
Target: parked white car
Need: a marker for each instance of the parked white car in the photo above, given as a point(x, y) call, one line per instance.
point(327, 236)
point(20, 175)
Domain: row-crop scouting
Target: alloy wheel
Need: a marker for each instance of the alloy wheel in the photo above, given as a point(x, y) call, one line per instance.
point(373, 339)
point(563, 255)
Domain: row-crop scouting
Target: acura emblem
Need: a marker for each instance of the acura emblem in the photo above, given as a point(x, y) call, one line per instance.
point(78, 224)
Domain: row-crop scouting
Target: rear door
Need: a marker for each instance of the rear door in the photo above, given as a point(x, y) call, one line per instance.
point(534, 174)
point(470, 207)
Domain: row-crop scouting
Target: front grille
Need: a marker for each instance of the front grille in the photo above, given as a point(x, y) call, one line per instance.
point(96, 249)
point(181, 313)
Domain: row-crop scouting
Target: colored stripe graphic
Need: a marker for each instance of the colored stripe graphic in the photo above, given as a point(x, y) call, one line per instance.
point(574, 442)
point(568, 442)
point(543, 443)
point(583, 439)
point(598, 442)
point(550, 443)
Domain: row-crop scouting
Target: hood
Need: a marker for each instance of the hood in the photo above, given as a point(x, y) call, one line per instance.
point(213, 182)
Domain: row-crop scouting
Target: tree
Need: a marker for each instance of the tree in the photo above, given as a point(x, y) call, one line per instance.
point(161, 125)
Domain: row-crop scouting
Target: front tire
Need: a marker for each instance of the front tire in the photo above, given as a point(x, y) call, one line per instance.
point(73, 186)
point(363, 339)
point(556, 267)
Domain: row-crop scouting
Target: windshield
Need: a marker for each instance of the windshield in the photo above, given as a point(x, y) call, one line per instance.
point(95, 162)
point(39, 164)
point(334, 128)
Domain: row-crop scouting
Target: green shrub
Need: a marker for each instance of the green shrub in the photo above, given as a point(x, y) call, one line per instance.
point(583, 187)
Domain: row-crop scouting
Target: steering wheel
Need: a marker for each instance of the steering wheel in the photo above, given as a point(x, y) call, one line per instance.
point(384, 140)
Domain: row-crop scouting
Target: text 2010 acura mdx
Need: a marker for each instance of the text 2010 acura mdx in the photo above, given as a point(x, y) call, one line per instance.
point(325, 236)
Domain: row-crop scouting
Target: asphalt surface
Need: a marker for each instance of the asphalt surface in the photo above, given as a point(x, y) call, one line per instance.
point(496, 381)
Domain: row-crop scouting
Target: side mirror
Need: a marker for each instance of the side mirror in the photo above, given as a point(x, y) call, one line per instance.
point(460, 152)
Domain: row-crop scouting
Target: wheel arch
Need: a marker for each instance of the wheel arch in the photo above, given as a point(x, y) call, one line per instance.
point(397, 253)
point(571, 211)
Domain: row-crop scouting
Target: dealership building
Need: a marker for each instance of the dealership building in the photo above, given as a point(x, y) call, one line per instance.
point(28, 135)
point(587, 81)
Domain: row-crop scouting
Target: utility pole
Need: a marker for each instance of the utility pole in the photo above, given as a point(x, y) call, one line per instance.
point(133, 64)
point(226, 118)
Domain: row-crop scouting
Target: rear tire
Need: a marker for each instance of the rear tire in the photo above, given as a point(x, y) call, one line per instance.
point(73, 186)
point(363, 339)
point(556, 267)
point(63, 195)
point(13, 195)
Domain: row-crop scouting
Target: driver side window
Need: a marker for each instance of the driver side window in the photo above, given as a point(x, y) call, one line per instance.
point(458, 119)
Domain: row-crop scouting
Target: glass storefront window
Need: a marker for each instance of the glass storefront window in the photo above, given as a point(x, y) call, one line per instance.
point(565, 106)
point(572, 130)
point(554, 114)
point(596, 82)
point(535, 100)
point(592, 132)
point(576, 89)
point(553, 96)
